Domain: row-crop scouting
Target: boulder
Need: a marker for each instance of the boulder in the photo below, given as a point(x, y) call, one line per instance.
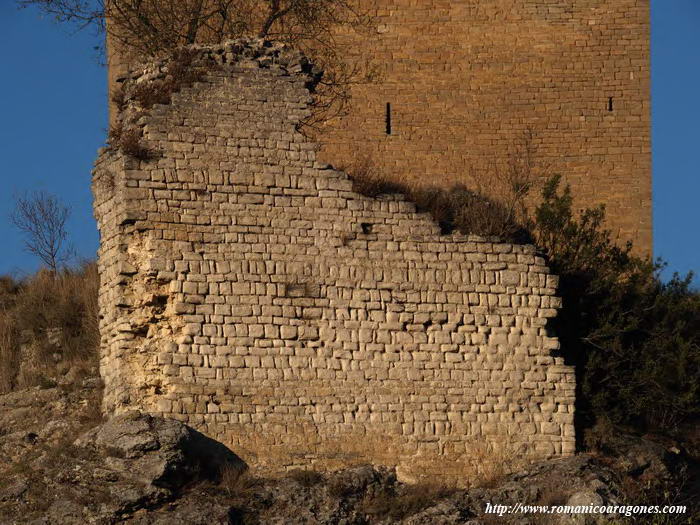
point(158, 452)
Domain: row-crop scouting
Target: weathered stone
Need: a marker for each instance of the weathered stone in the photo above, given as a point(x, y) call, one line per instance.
point(291, 314)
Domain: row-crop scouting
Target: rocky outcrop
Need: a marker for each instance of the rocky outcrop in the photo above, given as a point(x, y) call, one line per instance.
point(59, 463)
point(156, 457)
point(113, 471)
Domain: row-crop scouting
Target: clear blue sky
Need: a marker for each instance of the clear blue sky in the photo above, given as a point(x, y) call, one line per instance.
point(53, 120)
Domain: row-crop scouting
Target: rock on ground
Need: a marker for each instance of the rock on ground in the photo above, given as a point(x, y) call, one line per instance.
point(61, 463)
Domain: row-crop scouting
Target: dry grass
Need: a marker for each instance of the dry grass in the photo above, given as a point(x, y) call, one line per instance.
point(469, 211)
point(306, 478)
point(368, 180)
point(236, 482)
point(8, 353)
point(487, 464)
point(397, 504)
point(48, 326)
point(119, 99)
point(477, 463)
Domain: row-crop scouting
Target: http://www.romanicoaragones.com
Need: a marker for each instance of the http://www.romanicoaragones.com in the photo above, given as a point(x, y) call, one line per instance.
point(610, 510)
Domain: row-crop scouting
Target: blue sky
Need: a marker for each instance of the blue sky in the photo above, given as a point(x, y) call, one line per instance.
point(53, 118)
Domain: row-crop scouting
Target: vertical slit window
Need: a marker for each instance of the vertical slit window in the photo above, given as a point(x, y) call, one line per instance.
point(387, 118)
point(610, 104)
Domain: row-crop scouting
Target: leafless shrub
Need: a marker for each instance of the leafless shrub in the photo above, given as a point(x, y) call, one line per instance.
point(313, 26)
point(511, 175)
point(152, 26)
point(42, 218)
point(332, 92)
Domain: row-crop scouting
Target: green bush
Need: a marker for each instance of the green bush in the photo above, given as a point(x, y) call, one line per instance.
point(635, 340)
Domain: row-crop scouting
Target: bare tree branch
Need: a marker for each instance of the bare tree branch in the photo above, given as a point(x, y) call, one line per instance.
point(42, 218)
point(147, 28)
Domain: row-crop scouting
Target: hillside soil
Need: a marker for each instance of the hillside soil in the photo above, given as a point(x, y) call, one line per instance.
point(61, 463)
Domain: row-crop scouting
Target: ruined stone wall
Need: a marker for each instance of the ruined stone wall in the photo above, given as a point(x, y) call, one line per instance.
point(466, 80)
point(248, 291)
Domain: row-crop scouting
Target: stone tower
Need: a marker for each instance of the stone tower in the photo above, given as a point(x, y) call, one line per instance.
point(460, 82)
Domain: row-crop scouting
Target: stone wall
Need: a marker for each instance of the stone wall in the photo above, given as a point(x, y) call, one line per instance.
point(466, 80)
point(248, 291)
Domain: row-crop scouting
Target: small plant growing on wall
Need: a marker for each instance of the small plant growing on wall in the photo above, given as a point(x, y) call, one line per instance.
point(134, 101)
point(184, 68)
point(128, 140)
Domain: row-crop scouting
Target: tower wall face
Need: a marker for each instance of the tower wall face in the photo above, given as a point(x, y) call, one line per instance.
point(248, 291)
point(468, 80)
